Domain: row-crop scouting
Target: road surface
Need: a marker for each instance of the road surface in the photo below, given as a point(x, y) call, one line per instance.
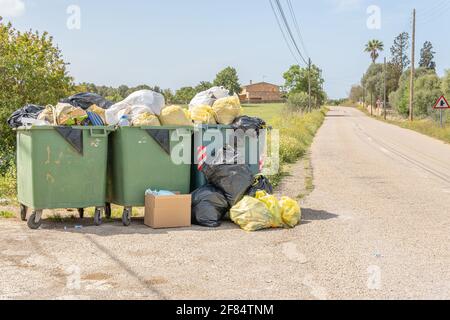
point(377, 226)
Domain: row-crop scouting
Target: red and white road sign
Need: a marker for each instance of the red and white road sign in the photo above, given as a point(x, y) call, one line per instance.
point(442, 104)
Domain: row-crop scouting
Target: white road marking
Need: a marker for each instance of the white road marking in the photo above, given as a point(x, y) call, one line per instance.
point(384, 150)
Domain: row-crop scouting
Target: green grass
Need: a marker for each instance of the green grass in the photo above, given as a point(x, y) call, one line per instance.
point(425, 126)
point(7, 215)
point(8, 188)
point(269, 112)
point(297, 132)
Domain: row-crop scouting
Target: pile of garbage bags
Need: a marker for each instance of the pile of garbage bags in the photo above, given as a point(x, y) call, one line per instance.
point(83, 109)
point(233, 189)
point(215, 106)
point(141, 108)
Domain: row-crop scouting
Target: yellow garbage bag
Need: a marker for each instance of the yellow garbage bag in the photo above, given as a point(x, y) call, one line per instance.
point(290, 212)
point(226, 110)
point(203, 114)
point(174, 116)
point(188, 114)
point(99, 111)
point(145, 119)
point(251, 214)
point(274, 207)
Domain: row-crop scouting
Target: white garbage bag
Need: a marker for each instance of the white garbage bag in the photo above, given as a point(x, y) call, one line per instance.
point(147, 100)
point(208, 97)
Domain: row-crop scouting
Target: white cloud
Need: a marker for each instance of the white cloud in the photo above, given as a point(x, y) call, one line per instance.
point(11, 8)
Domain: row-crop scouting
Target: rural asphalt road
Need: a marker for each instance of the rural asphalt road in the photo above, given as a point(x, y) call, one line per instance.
point(377, 226)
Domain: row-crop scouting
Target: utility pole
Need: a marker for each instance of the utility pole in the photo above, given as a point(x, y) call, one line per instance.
point(413, 57)
point(364, 96)
point(364, 92)
point(309, 84)
point(384, 93)
point(371, 103)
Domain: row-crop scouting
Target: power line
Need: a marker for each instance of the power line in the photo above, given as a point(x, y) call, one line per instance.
point(432, 17)
point(288, 28)
point(283, 33)
point(297, 27)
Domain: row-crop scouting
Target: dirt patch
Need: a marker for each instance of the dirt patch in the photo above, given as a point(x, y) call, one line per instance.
point(298, 182)
point(96, 276)
point(156, 281)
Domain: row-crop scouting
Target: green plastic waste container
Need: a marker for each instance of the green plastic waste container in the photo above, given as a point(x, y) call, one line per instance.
point(61, 167)
point(140, 158)
point(203, 143)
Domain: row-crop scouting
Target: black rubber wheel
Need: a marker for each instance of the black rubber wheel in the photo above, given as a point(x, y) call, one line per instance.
point(81, 213)
point(32, 223)
point(98, 217)
point(23, 212)
point(108, 211)
point(126, 217)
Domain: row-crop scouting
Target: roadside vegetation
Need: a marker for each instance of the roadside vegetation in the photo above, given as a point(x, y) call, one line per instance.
point(428, 88)
point(297, 132)
point(427, 126)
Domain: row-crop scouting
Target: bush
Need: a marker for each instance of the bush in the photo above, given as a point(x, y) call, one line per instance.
point(32, 71)
point(298, 102)
point(297, 132)
point(427, 89)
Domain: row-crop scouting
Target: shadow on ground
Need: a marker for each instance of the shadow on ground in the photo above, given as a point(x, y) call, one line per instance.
point(310, 215)
point(114, 227)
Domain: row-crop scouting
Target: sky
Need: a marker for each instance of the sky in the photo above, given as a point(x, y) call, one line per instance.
point(175, 43)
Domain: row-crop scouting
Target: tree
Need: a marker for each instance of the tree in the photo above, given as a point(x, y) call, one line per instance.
point(427, 88)
point(399, 52)
point(445, 86)
point(356, 93)
point(427, 56)
point(184, 95)
point(373, 81)
point(374, 47)
point(123, 90)
point(229, 79)
point(32, 70)
point(298, 102)
point(427, 91)
point(296, 81)
point(169, 96)
point(203, 86)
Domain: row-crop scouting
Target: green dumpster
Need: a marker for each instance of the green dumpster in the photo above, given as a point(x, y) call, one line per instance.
point(61, 167)
point(140, 158)
point(203, 144)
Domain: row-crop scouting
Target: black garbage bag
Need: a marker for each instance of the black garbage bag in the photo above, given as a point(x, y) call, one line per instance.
point(209, 206)
point(261, 183)
point(233, 179)
point(85, 100)
point(29, 111)
point(249, 123)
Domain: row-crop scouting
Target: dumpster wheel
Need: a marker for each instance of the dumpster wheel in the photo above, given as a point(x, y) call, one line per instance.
point(108, 211)
point(98, 216)
point(34, 222)
point(126, 216)
point(23, 212)
point(81, 213)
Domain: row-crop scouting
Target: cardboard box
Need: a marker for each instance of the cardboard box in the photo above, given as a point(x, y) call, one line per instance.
point(168, 211)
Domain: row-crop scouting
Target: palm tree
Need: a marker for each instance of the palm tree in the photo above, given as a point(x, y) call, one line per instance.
point(374, 46)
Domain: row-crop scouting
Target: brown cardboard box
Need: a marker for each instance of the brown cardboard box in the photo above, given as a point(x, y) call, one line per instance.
point(168, 211)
